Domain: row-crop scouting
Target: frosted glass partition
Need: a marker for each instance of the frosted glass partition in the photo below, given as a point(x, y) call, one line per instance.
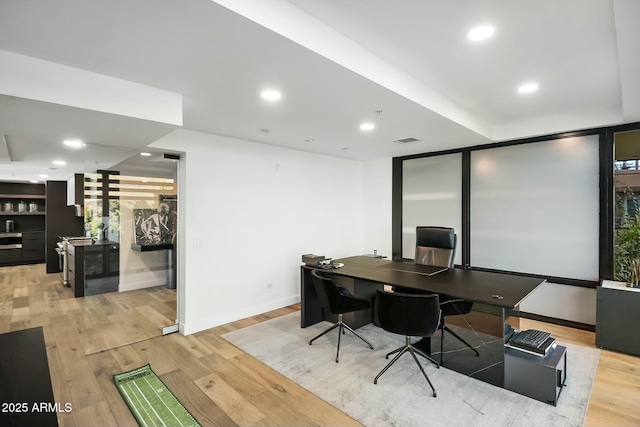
point(431, 195)
point(534, 208)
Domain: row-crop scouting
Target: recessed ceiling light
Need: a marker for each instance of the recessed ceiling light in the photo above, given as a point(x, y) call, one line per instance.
point(43, 176)
point(73, 143)
point(59, 162)
point(271, 95)
point(145, 154)
point(528, 88)
point(367, 126)
point(33, 181)
point(481, 33)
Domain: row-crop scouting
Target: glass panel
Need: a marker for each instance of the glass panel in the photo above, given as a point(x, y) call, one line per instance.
point(535, 208)
point(431, 195)
point(130, 294)
point(627, 207)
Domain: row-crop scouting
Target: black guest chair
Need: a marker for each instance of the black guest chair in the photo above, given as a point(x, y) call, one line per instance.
point(437, 246)
point(337, 300)
point(411, 315)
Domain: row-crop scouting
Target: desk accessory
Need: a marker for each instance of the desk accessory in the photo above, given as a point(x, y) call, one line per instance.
point(311, 260)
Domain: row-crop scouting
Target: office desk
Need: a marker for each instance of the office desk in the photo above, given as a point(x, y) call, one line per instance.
point(496, 300)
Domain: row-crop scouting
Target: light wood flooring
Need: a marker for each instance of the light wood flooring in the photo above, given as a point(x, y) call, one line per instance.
point(90, 339)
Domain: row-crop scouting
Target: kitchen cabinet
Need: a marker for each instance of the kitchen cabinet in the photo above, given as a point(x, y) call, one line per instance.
point(10, 248)
point(89, 260)
point(75, 193)
point(33, 246)
point(22, 206)
point(75, 266)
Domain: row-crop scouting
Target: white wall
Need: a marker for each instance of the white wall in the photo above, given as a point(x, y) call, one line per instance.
point(377, 206)
point(562, 302)
point(249, 212)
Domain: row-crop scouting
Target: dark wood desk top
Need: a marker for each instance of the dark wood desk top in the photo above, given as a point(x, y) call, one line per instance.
point(471, 285)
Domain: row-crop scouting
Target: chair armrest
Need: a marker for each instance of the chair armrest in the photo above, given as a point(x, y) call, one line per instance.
point(343, 291)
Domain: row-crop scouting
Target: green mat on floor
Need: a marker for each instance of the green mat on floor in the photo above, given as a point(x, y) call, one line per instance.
point(150, 401)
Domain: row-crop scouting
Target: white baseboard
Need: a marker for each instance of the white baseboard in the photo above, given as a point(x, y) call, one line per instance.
point(212, 322)
point(141, 285)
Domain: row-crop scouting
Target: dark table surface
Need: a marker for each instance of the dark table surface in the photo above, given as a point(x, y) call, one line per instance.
point(503, 290)
point(26, 394)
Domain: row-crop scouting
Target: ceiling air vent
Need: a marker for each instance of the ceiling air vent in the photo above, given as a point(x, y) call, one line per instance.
point(406, 140)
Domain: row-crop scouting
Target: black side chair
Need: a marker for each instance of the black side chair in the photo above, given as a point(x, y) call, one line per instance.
point(437, 246)
point(337, 300)
point(411, 315)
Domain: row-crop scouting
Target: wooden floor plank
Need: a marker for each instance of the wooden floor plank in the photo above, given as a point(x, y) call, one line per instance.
point(99, 414)
point(104, 367)
point(200, 406)
point(238, 407)
point(127, 358)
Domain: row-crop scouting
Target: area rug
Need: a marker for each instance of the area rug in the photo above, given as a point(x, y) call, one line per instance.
point(150, 401)
point(402, 397)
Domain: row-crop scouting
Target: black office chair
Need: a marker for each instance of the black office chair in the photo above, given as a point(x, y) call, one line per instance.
point(337, 300)
point(437, 246)
point(411, 315)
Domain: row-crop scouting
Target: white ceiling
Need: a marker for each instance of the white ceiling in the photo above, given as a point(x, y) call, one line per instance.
point(336, 62)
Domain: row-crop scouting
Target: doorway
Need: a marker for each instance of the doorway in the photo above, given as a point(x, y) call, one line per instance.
point(130, 211)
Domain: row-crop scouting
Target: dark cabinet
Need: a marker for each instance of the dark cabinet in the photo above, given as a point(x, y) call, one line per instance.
point(539, 377)
point(617, 314)
point(10, 256)
point(102, 260)
point(94, 261)
point(33, 247)
point(21, 248)
point(22, 221)
point(89, 261)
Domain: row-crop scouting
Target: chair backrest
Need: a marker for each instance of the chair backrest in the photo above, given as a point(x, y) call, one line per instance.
point(435, 246)
point(326, 290)
point(416, 315)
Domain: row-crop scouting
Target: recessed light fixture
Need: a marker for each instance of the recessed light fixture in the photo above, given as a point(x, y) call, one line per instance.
point(43, 176)
point(73, 143)
point(145, 154)
point(481, 33)
point(33, 181)
point(367, 126)
point(270, 95)
point(528, 88)
point(59, 162)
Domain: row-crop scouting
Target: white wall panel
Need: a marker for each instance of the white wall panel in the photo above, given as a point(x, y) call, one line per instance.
point(377, 206)
point(431, 195)
point(535, 209)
